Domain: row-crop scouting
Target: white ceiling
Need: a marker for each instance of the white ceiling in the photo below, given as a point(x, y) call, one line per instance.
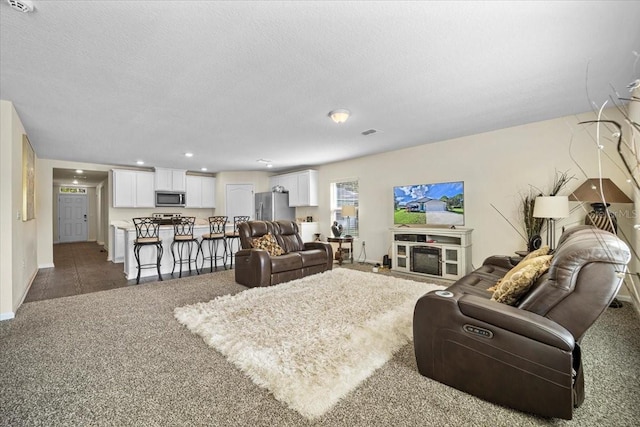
point(112, 82)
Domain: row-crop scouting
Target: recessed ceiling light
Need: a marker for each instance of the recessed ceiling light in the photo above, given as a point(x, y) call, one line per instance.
point(79, 171)
point(203, 169)
point(139, 162)
point(269, 165)
point(75, 181)
point(188, 154)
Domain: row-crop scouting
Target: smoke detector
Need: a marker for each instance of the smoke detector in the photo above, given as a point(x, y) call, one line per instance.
point(21, 5)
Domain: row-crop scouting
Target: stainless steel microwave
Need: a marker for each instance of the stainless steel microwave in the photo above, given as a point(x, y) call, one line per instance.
point(171, 198)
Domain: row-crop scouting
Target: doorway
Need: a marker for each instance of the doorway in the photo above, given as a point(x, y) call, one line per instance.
point(72, 218)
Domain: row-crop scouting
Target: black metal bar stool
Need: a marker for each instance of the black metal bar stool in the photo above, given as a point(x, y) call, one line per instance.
point(147, 234)
point(212, 240)
point(234, 236)
point(183, 236)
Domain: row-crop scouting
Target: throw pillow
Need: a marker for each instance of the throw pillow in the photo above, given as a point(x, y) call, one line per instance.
point(540, 260)
point(544, 250)
point(511, 289)
point(268, 243)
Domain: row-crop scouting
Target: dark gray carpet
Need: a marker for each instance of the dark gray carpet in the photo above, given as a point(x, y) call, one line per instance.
point(120, 358)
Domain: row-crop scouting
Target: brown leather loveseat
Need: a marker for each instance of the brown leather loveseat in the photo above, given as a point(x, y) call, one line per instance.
point(526, 355)
point(257, 267)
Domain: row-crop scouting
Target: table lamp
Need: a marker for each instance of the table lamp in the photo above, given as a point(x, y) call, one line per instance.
point(551, 208)
point(348, 211)
point(600, 216)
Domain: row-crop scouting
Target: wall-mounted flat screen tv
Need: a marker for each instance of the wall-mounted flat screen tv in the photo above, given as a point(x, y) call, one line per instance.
point(437, 204)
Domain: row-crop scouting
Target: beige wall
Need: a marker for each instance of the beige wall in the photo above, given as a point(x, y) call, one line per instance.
point(18, 261)
point(495, 167)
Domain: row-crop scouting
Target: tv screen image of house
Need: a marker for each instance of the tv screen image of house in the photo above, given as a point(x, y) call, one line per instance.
point(439, 203)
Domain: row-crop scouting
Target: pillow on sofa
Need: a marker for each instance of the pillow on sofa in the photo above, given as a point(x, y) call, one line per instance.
point(268, 243)
point(539, 260)
point(544, 250)
point(518, 282)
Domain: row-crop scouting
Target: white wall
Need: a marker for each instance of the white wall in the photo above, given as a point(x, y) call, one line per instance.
point(18, 239)
point(495, 167)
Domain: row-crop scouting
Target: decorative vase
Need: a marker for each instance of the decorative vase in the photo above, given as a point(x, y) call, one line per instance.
point(602, 218)
point(336, 229)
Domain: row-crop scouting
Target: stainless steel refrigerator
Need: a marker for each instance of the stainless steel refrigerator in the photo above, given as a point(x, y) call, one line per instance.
point(273, 206)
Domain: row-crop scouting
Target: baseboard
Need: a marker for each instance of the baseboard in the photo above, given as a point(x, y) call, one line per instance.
point(7, 316)
point(49, 265)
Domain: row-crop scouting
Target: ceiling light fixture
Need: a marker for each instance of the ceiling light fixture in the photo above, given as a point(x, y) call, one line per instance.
point(139, 162)
point(75, 181)
point(340, 115)
point(24, 6)
point(79, 171)
point(203, 169)
point(269, 165)
point(188, 154)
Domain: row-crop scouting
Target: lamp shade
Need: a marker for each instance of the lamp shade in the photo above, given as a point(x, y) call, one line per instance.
point(551, 207)
point(589, 191)
point(348, 210)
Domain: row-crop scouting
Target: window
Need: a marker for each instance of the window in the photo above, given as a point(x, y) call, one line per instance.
point(345, 193)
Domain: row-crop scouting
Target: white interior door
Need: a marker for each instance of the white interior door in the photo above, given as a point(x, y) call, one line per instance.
point(72, 218)
point(240, 201)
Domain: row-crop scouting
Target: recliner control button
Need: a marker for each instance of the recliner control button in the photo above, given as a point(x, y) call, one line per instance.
point(476, 330)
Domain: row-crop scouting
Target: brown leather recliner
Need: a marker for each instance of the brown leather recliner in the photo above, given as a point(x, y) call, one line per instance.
point(255, 267)
point(525, 356)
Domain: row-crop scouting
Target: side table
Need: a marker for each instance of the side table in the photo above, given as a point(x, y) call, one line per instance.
point(340, 241)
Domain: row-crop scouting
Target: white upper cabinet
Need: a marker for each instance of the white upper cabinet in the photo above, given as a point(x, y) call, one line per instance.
point(201, 191)
point(133, 189)
point(170, 180)
point(302, 187)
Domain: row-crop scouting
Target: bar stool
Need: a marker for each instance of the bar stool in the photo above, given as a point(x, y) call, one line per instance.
point(234, 236)
point(212, 239)
point(183, 236)
point(147, 234)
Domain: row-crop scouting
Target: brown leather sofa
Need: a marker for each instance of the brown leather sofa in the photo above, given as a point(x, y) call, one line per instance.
point(525, 356)
point(255, 267)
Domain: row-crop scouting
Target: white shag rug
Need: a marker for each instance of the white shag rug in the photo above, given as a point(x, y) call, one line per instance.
point(312, 340)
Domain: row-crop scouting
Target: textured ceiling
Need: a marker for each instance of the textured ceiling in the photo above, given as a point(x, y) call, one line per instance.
point(113, 82)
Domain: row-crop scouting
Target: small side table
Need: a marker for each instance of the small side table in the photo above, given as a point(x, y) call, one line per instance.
point(340, 241)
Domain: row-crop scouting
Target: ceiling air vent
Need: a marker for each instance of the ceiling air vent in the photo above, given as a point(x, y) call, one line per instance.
point(21, 5)
point(370, 132)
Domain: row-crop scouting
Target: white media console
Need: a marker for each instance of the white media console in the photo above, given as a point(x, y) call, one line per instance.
point(444, 253)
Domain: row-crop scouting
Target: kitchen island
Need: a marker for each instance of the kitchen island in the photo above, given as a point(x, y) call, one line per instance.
point(123, 235)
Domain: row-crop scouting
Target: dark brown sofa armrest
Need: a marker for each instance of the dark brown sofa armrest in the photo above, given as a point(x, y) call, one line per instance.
point(325, 247)
point(503, 261)
point(516, 320)
point(253, 267)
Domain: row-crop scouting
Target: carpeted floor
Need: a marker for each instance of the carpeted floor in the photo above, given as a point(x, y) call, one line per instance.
point(119, 357)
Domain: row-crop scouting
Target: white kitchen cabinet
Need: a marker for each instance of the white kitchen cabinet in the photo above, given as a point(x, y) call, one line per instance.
point(308, 231)
point(308, 188)
point(133, 189)
point(201, 191)
point(170, 179)
point(302, 187)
